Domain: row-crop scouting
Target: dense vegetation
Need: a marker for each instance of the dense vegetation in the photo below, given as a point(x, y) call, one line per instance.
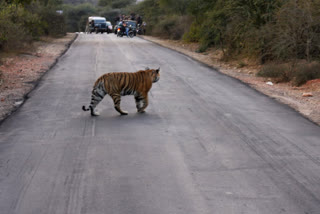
point(22, 21)
point(267, 30)
point(77, 15)
point(278, 31)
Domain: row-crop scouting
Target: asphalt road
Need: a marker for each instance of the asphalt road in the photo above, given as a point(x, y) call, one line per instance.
point(208, 144)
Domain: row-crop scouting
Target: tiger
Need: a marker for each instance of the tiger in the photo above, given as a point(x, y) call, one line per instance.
point(123, 83)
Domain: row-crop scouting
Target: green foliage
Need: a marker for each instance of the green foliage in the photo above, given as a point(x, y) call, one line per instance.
point(54, 23)
point(194, 33)
point(21, 23)
point(175, 6)
point(121, 3)
point(151, 13)
point(17, 26)
point(76, 16)
point(116, 4)
point(172, 27)
point(296, 31)
point(110, 14)
point(16, 2)
point(267, 30)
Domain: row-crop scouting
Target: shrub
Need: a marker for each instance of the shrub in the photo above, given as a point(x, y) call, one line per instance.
point(296, 31)
point(306, 72)
point(110, 14)
point(194, 33)
point(172, 27)
point(242, 64)
point(13, 31)
point(20, 25)
point(53, 24)
point(298, 74)
point(164, 27)
point(281, 73)
point(74, 16)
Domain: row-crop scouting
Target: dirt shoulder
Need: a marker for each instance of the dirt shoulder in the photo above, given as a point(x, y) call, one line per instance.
point(283, 92)
point(21, 72)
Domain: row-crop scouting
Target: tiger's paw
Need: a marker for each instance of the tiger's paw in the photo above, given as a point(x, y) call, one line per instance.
point(95, 113)
point(141, 111)
point(124, 113)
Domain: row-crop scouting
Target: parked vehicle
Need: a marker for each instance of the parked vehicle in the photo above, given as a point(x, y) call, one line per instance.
point(115, 29)
point(109, 27)
point(97, 24)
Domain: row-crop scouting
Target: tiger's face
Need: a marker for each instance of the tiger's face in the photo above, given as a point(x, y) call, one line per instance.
point(155, 75)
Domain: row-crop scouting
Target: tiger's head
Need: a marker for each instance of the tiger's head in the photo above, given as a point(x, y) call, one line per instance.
point(155, 75)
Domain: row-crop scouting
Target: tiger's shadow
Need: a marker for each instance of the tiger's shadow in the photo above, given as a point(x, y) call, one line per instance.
point(130, 119)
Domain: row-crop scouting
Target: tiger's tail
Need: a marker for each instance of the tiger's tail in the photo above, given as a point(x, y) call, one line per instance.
point(85, 109)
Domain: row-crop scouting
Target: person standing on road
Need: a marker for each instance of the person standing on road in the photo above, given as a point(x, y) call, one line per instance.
point(126, 28)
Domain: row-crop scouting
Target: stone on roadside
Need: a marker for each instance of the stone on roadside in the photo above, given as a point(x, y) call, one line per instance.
point(307, 94)
point(269, 83)
point(18, 103)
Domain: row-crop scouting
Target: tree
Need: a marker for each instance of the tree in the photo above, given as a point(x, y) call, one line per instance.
point(16, 2)
point(175, 6)
point(297, 30)
point(116, 3)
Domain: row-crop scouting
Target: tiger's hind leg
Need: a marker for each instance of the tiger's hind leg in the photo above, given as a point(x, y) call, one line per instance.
point(97, 95)
point(117, 99)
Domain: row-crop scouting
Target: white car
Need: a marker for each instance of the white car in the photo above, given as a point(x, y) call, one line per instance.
point(109, 30)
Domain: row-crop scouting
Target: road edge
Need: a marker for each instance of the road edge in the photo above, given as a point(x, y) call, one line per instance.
point(36, 83)
point(278, 99)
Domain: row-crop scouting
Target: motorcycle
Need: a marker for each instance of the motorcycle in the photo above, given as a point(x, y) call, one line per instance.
point(140, 31)
point(121, 33)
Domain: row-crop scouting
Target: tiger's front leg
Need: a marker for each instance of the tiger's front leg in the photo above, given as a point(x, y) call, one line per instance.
point(138, 99)
point(117, 99)
point(145, 104)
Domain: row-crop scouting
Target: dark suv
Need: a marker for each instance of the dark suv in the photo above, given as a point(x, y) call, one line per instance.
point(97, 24)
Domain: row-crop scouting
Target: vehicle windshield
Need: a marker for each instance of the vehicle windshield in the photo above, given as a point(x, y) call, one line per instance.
point(133, 24)
point(99, 21)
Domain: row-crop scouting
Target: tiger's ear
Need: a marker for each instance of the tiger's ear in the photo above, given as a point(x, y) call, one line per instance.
point(158, 70)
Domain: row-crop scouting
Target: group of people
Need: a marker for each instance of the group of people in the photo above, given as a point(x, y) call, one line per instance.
point(132, 17)
point(121, 19)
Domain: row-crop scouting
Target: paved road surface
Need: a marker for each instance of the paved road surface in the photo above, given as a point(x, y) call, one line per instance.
point(208, 144)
